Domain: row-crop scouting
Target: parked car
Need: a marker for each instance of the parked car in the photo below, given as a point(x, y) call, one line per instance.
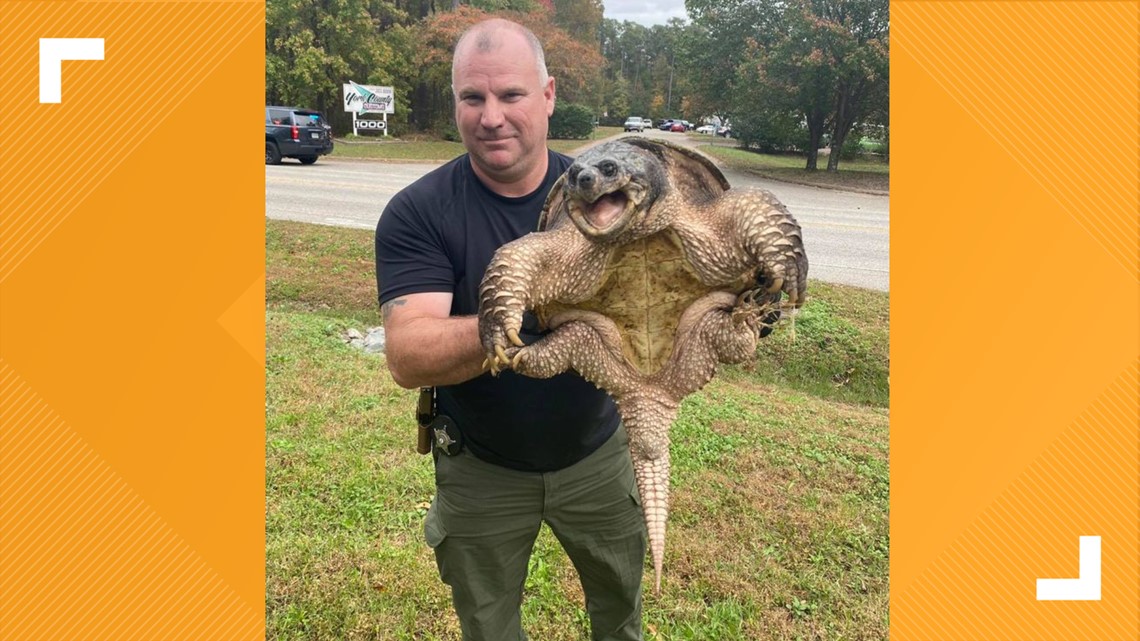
point(706, 129)
point(648, 122)
point(634, 123)
point(677, 126)
point(726, 132)
point(292, 132)
point(666, 124)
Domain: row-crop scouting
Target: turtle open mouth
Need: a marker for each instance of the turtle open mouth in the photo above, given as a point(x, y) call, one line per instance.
point(605, 210)
point(608, 215)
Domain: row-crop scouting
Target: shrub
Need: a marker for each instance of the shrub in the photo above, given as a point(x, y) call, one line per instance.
point(852, 148)
point(571, 121)
point(450, 133)
point(767, 131)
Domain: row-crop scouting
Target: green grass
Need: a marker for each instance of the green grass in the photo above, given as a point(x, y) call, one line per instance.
point(391, 149)
point(606, 132)
point(838, 349)
point(865, 174)
point(780, 498)
point(396, 150)
point(326, 271)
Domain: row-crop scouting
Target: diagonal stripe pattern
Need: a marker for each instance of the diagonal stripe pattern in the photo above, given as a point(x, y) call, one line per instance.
point(83, 555)
point(81, 145)
point(1023, 70)
point(1040, 173)
point(110, 527)
point(984, 585)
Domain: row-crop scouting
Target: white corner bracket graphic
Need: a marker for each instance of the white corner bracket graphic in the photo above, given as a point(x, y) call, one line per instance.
point(1086, 587)
point(53, 51)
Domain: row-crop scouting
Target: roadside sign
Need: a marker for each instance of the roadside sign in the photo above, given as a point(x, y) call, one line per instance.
point(368, 99)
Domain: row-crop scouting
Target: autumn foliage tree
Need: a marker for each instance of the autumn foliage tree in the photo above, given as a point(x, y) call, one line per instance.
point(791, 82)
point(312, 47)
point(575, 66)
point(787, 73)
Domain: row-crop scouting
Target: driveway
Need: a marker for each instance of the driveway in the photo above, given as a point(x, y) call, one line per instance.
point(847, 235)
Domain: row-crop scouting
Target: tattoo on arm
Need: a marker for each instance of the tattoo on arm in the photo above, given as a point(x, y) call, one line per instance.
point(387, 308)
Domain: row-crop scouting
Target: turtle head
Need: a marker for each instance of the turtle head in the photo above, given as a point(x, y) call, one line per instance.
point(611, 187)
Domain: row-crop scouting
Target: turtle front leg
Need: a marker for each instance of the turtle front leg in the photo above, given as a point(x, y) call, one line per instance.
point(772, 238)
point(758, 309)
point(530, 271)
point(720, 327)
point(586, 342)
point(747, 232)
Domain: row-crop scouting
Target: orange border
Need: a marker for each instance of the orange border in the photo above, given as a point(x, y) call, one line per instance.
point(131, 368)
point(1014, 316)
point(132, 359)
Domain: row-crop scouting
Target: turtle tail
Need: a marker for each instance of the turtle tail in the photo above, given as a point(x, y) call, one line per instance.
point(647, 418)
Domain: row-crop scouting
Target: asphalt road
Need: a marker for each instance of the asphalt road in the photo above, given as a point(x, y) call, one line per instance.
point(847, 235)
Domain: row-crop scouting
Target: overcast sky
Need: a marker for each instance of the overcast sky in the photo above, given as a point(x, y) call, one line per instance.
point(646, 12)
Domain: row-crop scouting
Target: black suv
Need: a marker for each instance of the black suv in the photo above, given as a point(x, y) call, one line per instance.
point(295, 133)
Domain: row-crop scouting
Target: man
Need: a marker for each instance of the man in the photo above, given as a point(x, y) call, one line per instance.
point(530, 450)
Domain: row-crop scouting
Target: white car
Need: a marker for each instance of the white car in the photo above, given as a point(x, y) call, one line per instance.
point(634, 123)
point(706, 129)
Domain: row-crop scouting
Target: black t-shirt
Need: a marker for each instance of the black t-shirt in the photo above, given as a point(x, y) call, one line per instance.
point(438, 235)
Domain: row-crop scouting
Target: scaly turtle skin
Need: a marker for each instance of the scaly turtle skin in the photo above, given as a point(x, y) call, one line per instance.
point(650, 271)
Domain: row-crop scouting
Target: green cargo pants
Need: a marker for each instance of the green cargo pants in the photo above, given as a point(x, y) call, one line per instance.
point(484, 521)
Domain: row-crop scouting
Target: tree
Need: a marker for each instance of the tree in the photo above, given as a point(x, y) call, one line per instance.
point(314, 46)
point(491, 6)
point(795, 74)
point(714, 46)
point(861, 60)
point(576, 67)
point(615, 102)
point(580, 19)
point(822, 62)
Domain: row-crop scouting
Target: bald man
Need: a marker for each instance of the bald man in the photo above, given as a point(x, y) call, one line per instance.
point(516, 451)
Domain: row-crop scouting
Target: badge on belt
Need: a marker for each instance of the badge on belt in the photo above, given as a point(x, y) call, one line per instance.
point(437, 432)
point(446, 436)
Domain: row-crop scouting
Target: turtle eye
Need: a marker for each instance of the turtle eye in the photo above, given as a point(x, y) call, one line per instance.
point(608, 168)
point(572, 174)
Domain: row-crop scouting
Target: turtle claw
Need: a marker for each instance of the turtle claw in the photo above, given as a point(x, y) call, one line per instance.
point(491, 364)
point(795, 299)
point(513, 334)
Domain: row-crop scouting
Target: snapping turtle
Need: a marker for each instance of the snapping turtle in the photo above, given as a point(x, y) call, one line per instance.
point(650, 271)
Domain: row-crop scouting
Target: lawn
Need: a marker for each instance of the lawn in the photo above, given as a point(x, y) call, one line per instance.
point(867, 174)
point(779, 516)
point(864, 174)
point(397, 150)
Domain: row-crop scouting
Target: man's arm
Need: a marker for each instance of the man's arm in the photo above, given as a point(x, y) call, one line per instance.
point(426, 346)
